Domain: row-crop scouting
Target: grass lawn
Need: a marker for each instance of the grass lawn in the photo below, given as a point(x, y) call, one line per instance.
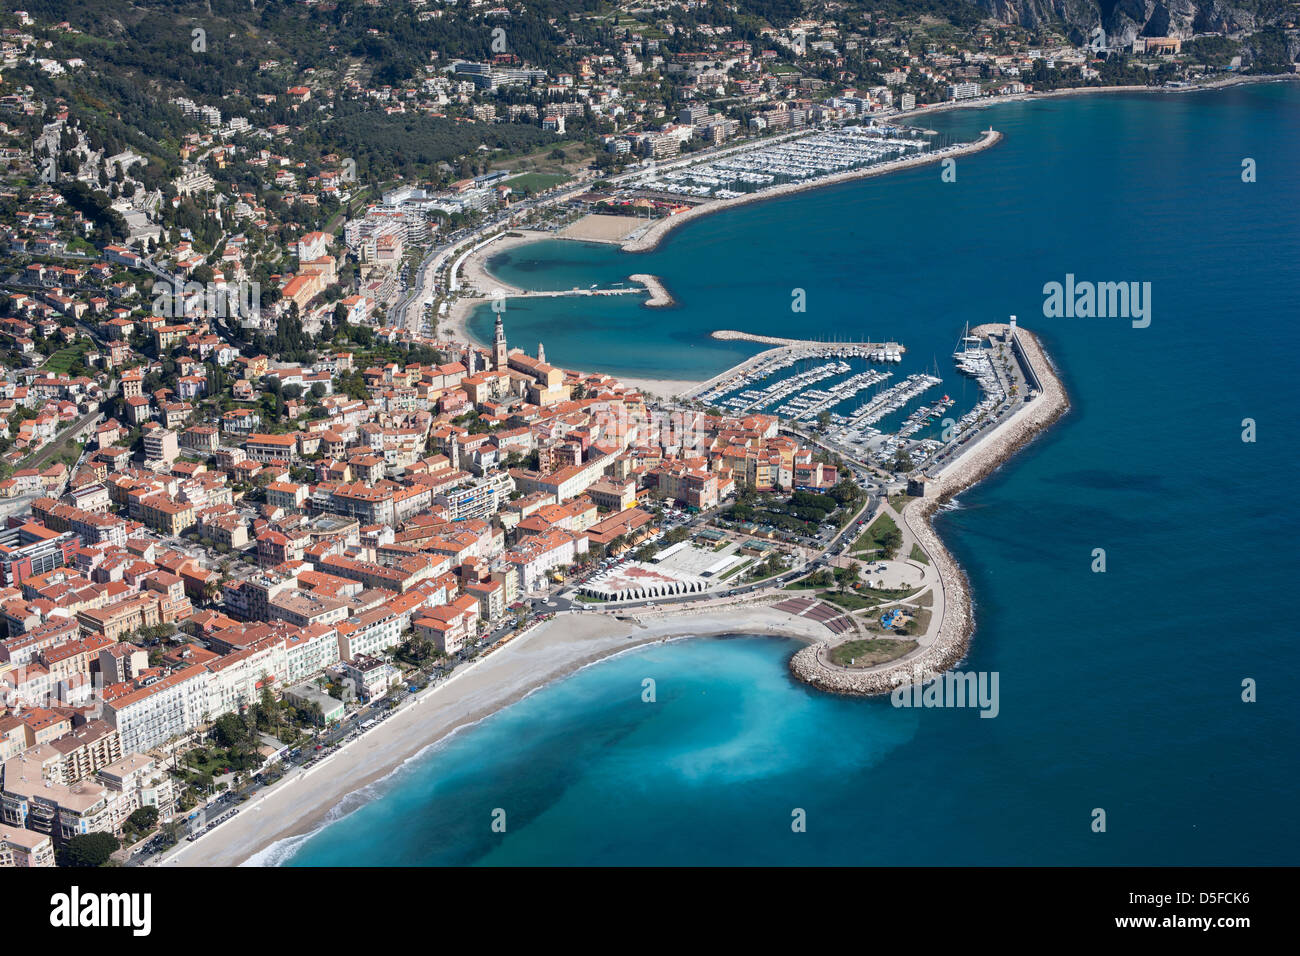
point(536, 182)
point(60, 361)
point(873, 538)
point(849, 600)
point(870, 652)
point(919, 555)
point(920, 622)
point(898, 501)
point(737, 569)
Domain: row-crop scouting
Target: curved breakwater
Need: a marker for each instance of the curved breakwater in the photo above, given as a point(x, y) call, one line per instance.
point(950, 644)
point(651, 238)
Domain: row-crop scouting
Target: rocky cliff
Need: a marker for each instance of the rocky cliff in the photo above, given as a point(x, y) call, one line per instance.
point(1122, 20)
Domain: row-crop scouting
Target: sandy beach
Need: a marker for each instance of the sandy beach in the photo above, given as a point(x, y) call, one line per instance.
point(474, 279)
point(599, 227)
point(305, 799)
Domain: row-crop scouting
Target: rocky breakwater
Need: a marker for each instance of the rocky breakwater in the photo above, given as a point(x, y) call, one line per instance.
point(660, 297)
point(812, 664)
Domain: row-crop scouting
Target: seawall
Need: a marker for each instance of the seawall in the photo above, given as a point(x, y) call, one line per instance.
point(950, 644)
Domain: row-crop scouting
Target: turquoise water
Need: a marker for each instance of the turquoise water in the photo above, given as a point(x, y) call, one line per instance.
point(1119, 690)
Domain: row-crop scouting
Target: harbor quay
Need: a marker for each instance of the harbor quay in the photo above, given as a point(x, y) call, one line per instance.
point(786, 353)
point(806, 385)
point(947, 592)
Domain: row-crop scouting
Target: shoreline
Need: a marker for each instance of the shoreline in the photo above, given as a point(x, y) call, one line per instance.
point(985, 102)
point(305, 800)
point(952, 641)
point(474, 275)
point(655, 234)
point(455, 323)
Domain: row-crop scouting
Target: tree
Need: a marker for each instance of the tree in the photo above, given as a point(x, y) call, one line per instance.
point(144, 819)
point(89, 849)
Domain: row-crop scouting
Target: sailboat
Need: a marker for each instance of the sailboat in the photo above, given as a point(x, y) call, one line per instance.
point(966, 340)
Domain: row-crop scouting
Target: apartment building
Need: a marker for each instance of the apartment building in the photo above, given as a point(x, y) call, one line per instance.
point(372, 633)
point(540, 554)
point(163, 708)
point(162, 513)
point(121, 618)
point(141, 780)
point(25, 847)
point(613, 494)
point(237, 679)
point(161, 445)
point(86, 750)
point(568, 482)
point(301, 608)
point(264, 448)
point(400, 577)
point(476, 498)
point(309, 651)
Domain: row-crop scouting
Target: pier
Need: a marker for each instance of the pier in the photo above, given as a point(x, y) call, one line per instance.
point(786, 353)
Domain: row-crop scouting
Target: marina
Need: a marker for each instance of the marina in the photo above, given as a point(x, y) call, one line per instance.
point(864, 412)
point(788, 353)
point(813, 157)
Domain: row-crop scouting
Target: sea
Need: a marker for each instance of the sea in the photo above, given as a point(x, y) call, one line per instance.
point(1134, 569)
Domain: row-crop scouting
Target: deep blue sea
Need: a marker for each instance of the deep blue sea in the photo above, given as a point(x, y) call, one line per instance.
point(1118, 690)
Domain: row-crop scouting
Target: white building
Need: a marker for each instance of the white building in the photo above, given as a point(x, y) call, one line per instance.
point(168, 707)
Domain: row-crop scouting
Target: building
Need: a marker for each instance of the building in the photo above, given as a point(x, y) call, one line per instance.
point(612, 494)
point(479, 498)
point(369, 677)
point(160, 444)
point(370, 633)
point(164, 708)
point(25, 847)
point(266, 448)
point(540, 554)
point(308, 696)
